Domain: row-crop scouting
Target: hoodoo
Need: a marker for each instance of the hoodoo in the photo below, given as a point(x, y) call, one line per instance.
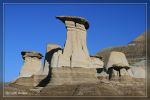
point(75, 53)
point(118, 66)
point(32, 63)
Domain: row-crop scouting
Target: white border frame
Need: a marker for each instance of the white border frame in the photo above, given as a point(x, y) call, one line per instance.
point(69, 4)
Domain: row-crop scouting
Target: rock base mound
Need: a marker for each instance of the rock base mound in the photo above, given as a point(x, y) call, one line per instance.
point(72, 75)
point(29, 81)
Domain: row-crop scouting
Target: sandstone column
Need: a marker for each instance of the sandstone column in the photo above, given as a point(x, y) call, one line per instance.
point(32, 63)
point(75, 53)
point(50, 61)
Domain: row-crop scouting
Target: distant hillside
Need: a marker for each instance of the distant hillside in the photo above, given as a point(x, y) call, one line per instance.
point(139, 39)
point(135, 51)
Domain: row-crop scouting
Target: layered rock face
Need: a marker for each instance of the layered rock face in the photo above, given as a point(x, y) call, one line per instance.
point(138, 45)
point(73, 75)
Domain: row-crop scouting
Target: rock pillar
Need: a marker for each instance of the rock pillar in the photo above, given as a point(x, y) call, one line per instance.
point(118, 67)
point(32, 63)
point(75, 53)
point(51, 57)
point(31, 72)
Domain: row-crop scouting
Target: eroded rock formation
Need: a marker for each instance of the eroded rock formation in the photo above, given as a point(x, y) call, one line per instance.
point(96, 62)
point(73, 64)
point(51, 57)
point(75, 53)
point(135, 53)
point(69, 65)
point(117, 59)
point(32, 63)
point(31, 72)
point(118, 66)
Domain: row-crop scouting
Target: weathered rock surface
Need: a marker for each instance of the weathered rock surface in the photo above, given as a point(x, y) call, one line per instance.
point(76, 19)
point(103, 75)
point(117, 59)
point(117, 66)
point(134, 88)
point(140, 64)
point(31, 72)
point(139, 69)
point(51, 61)
point(33, 80)
point(32, 64)
point(75, 52)
point(138, 72)
point(72, 65)
point(96, 62)
point(73, 75)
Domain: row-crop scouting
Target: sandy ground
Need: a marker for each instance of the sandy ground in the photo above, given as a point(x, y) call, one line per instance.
point(102, 88)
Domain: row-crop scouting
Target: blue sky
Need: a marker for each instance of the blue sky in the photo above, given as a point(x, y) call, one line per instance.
point(31, 27)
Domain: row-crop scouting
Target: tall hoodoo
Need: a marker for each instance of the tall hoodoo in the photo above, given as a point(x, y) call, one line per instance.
point(75, 53)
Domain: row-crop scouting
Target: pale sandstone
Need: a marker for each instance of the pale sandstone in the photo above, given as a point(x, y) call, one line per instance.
point(96, 62)
point(75, 53)
point(118, 66)
point(138, 72)
point(50, 50)
point(117, 59)
point(32, 64)
point(31, 72)
point(123, 71)
point(52, 46)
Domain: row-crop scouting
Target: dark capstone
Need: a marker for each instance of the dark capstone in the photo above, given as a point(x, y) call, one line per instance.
point(76, 19)
point(31, 54)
